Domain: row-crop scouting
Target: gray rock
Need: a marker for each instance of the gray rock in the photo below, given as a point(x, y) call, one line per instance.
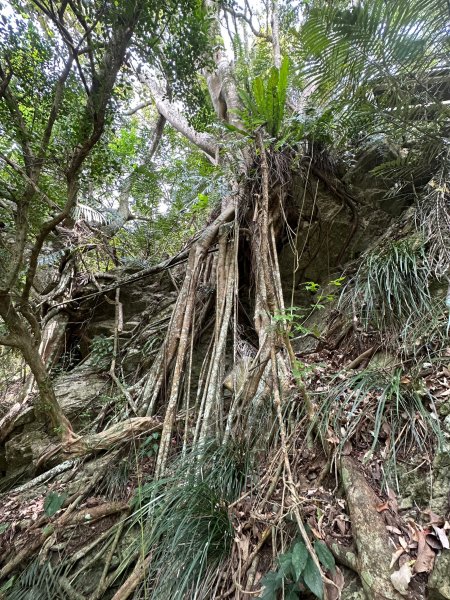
point(441, 478)
point(79, 393)
point(439, 581)
point(24, 448)
point(353, 589)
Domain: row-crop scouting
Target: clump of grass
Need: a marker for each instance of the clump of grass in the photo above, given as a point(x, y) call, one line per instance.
point(39, 581)
point(116, 479)
point(184, 522)
point(392, 283)
point(379, 410)
point(424, 336)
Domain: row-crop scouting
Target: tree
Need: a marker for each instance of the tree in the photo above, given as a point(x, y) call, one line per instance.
point(55, 110)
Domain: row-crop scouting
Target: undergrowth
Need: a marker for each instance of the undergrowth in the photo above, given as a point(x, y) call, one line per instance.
point(391, 284)
point(379, 410)
point(184, 522)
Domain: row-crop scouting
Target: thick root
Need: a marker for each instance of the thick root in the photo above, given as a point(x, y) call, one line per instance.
point(372, 555)
point(97, 442)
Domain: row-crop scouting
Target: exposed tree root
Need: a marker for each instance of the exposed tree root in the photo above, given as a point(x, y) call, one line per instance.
point(105, 440)
point(372, 554)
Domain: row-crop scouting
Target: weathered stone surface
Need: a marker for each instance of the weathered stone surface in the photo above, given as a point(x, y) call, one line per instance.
point(131, 360)
point(439, 581)
point(79, 393)
point(24, 448)
point(323, 242)
point(371, 186)
point(439, 501)
point(353, 589)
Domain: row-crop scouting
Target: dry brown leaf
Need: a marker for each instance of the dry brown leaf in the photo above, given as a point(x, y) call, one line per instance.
point(425, 555)
point(434, 519)
point(442, 537)
point(393, 529)
point(334, 591)
point(382, 507)
point(243, 544)
point(395, 556)
point(403, 543)
point(340, 525)
point(400, 579)
point(393, 504)
point(433, 542)
point(347, 449)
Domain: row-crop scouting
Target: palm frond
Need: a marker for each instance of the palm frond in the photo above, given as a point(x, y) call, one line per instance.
point(87, 213)
point(39, 581)
point(387, 59)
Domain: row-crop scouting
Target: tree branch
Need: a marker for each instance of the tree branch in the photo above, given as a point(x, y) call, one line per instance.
point(9, 340)
point(29, 181)
point(207, 143)
point(243, 17)
point(59, 90)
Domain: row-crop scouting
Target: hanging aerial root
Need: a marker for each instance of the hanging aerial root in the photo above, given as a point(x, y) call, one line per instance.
point(177, 344)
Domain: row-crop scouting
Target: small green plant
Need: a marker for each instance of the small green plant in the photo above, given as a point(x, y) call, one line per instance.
point(150, 446)
point(294, 318)
point(102, 348)
point(300, 370)
point(185, 521)
point(53, 502)
point(377, 408)
point(392, 283)
point(297, 572)
point(265, 101)
point(39, 580)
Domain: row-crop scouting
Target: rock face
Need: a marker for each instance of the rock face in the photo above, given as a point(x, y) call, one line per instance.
point(353, 589)
point(328, 236)
point(82, 392)
point(440, 499)
point(361, 176)
point(23, 449)
point(85, 389)
point(439, 581)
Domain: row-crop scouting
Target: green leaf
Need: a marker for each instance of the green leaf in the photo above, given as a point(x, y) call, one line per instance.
point(324, 555)
point(258, 92)
point(291, 593)
point(235, 129)
point(286, 566)
point(282, 86)
point(312, 578)
point(3, 527)
point(53, 502)
point(271, 582)
point(299, 557)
